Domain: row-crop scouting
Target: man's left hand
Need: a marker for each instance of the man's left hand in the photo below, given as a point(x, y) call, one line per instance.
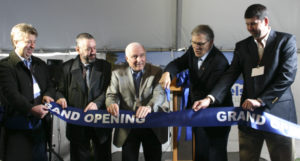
point(142, 111)
point(47, 99)
point(91, 106)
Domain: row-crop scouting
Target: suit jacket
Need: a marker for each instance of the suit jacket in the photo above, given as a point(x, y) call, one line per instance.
point(17, 85)
point(72, 87)
point(122, 92)
point(201, 80)
point(274, 86)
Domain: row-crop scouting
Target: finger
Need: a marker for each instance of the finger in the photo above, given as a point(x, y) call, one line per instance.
point(195, 104)
point(86, 109)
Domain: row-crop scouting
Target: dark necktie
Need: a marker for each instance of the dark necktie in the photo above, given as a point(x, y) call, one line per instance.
point(86, 74)
point(137, 80)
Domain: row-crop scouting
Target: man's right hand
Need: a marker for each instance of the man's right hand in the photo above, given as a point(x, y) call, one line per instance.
point(39, 111)
point(62, 102)
point(113, 109)
point(165, 80)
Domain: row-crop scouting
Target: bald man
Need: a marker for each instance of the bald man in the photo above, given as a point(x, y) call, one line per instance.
point(134, 87)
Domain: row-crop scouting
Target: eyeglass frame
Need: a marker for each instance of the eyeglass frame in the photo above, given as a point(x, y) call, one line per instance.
point(198, 43)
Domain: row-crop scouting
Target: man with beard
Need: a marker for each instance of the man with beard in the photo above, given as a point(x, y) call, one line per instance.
point(83, 85)
point(268, 62)
point(25, 86)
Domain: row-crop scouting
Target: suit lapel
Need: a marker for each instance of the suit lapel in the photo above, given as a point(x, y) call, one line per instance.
point(77, 74)
point(252, 47)
point(268, 47)
point(130, 80)
point(144, 80)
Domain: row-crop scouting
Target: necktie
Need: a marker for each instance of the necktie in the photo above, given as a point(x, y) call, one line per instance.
point(137, 80)
point(86, 74)
point(36, 87)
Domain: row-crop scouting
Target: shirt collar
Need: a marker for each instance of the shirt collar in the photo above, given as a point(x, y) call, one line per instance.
point(29, 59)
point(202, 58)
point(132, 71)
point(264, 40)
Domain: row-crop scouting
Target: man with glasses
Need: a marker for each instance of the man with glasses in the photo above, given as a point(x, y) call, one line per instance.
point(83, 85)
point(206, 64)
point(25, 86)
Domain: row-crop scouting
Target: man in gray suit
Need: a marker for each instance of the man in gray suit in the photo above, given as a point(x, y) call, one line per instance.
point(83, 85)
point(268, 62)
point(134, 86)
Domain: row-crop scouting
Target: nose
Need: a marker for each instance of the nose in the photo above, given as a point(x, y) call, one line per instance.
point(32, 45)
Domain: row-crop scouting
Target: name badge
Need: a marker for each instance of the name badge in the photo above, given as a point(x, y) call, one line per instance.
point(257, 71)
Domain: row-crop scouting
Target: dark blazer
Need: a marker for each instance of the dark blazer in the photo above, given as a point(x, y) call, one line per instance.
point(201, 81)
point(73, 88)
point(274, 86)
point(122, 92)
point(17, 86)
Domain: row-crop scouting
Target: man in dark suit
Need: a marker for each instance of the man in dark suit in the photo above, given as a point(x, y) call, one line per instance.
point(83, 85)
point(268, 62)
point(25, 85)
point(205, 64)
point(134, 87)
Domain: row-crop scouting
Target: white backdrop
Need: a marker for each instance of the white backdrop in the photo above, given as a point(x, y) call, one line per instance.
point(155, 23)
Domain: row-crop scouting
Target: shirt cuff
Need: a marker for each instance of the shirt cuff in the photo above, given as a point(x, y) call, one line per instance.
point(212, 98)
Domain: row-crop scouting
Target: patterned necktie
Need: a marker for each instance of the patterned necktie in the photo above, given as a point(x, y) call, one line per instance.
point(36, 87)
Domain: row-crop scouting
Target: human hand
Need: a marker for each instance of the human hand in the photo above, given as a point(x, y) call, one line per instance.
point(91, 106)
point(62, 102)
point(142, 111)
point(39, 111)
point(113, 109)
point(251, 104)
point(47, 99)
point(201, 104)
point(165, 80)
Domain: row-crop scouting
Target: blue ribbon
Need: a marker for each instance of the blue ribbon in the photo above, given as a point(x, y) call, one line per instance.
point(183, 81)
point(221, 116)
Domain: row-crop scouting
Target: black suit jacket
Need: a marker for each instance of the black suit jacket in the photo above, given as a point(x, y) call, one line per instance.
point(73, 88)
point(201, 81)
point(17, 86)
point(274, 86)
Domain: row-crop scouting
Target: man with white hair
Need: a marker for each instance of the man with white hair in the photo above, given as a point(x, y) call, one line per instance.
point(134, 87)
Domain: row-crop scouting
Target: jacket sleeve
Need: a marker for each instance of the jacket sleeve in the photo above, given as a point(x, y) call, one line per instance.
point(112, 93)
point(179, 64)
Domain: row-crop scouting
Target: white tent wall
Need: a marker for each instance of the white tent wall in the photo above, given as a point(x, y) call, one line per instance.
point(226, 18)
point(114, 23)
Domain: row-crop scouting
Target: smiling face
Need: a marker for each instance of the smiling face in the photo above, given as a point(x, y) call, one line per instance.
point(25, 45)
point(136, 56)
point(86, 48)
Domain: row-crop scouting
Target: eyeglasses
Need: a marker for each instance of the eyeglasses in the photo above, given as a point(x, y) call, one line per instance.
point(198, 43)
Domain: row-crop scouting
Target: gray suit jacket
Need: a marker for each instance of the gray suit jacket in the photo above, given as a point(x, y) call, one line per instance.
point(122, 92)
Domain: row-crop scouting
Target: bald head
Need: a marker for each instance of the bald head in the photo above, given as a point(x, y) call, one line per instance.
point(136, 56)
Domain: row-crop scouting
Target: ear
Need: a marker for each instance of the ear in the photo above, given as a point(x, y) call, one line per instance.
point(77, 49)
point(266, 20)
